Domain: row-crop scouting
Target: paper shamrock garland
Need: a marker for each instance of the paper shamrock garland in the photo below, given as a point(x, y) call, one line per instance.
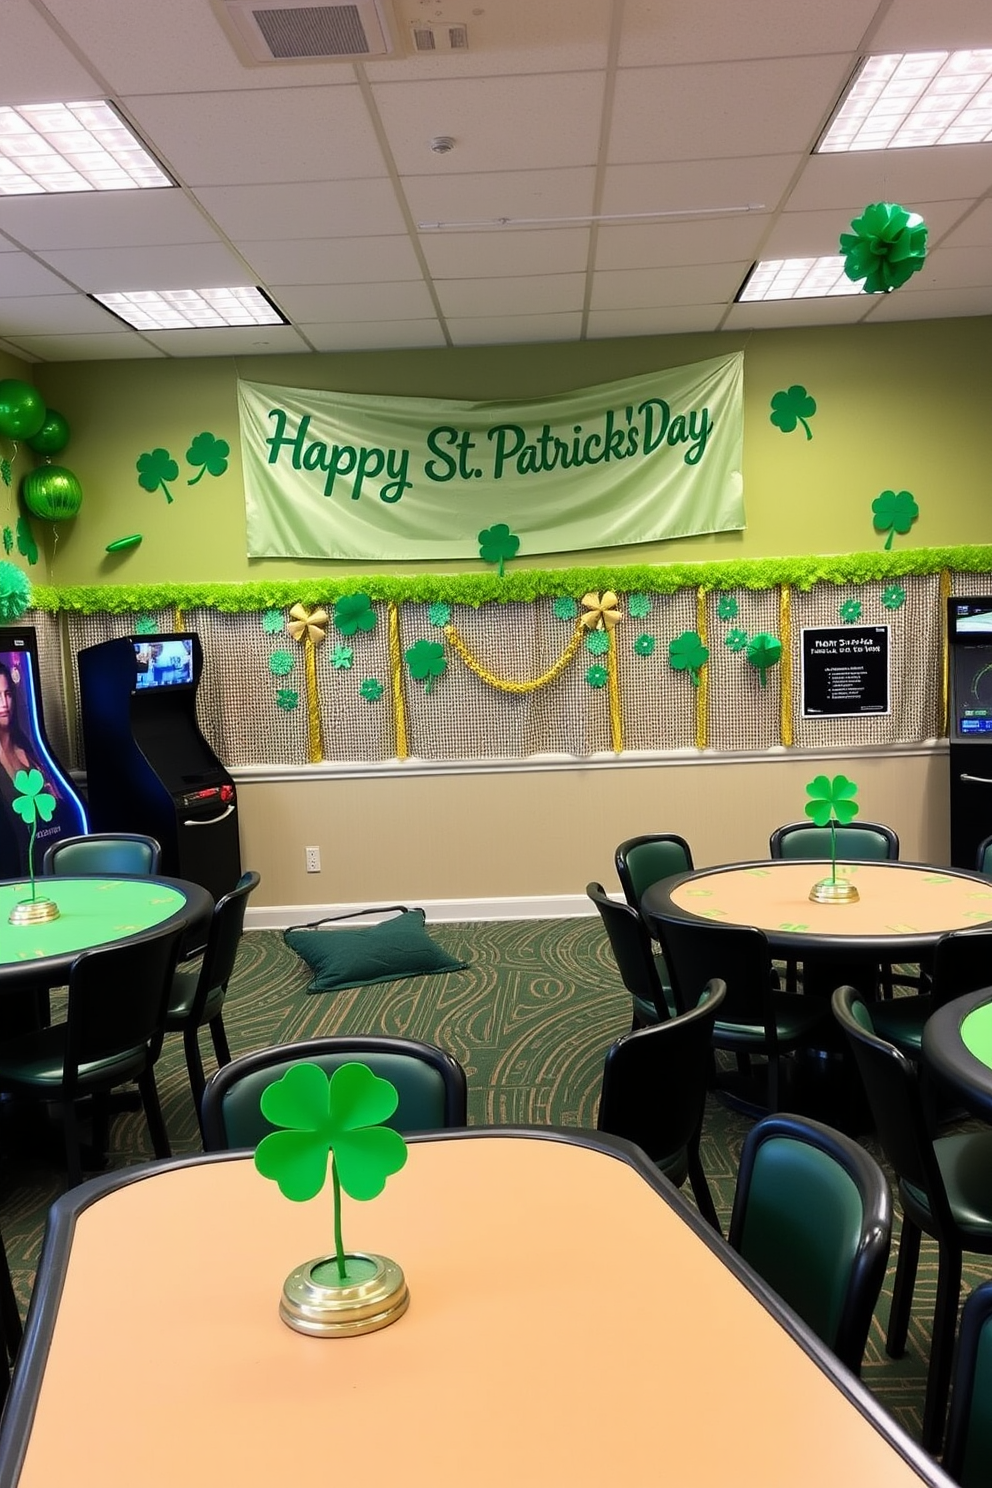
point(334, 1120)
point(886, 245)
point(832, 801)
point(32, 802)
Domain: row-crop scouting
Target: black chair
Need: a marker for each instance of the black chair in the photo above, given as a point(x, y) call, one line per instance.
point(430, 1083)
point(813, 1216)
point(968, 1450)
point(11, 1329)
point(983, 857)
point(654, 1093)
point(197, 996)
point(643, 861)
point(945, 1188)
point(858, 842)
point(755, 1018)
point(961, 962)
point(109, 854)
point(636, 963)
point(115, 1021)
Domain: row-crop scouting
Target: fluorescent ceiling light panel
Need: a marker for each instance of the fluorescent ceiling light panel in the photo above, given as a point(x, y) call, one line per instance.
point(47, 147)
point(798, 279)
point(907, 99)
point(185, 309)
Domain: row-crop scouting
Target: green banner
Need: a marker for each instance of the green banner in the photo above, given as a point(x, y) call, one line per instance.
point(345, 475)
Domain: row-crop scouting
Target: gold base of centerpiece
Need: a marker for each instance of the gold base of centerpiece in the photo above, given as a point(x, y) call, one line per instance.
point(316, 1301)
point(834, 891)
point(34, 912)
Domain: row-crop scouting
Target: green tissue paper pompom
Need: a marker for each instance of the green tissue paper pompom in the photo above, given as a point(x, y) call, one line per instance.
point(15, 592)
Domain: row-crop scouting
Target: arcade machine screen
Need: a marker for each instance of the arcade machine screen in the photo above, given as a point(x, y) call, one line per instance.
point(971, 651)
point(24, 747)
point(163, 664)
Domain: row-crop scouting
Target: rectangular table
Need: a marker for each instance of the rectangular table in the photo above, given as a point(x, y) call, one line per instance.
point(571, 1322)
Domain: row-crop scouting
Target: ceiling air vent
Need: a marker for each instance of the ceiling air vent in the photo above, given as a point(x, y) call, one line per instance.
point(436, 37)
point(286, 31)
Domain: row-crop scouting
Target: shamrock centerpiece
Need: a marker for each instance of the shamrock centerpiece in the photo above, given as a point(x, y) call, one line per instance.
point(830, 802)
point(335, 1122)
point(33, 802)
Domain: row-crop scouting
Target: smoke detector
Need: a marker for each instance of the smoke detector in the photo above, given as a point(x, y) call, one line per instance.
point(267, 31)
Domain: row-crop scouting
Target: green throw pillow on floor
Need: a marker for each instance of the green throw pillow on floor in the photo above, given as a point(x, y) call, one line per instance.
point(359, 957)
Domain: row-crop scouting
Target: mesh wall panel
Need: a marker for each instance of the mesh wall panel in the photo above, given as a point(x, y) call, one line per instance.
point(48, 634)
point(353, 727)
point(741, 713)
point(658, 704)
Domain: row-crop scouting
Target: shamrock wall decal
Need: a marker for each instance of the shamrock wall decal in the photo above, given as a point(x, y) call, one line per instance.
point(793, 406)
point(31, 803)
point(155, 468)
point(687, 654)
point(336, 1120)
point(8, 540)
point(764, 651)
point(894, 511)
point(210, 454)
point(354, 612)
point(426, 660)
point(26, 545)
point(498, 544)
point(893, 596)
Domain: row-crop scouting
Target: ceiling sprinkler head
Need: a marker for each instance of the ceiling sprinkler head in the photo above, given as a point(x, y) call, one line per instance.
point(442, 143)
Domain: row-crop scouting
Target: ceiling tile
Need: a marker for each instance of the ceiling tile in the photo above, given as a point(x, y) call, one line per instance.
point(311, 209)
point(45, 314)
point(933, 304)
point(507, 330)
point(181, 266)
point(554, 36)
point(974, 231)
point(373, 335)
point(506, 251)
point(699, 185)
point(334, 261)
point(317, 303)
point(119, 346)
point(104, 219)
point(24, 275)
point(524, 295)
point(671, 321)
point(664, 244)
point(478, 199)
point(777, 314)
point(944, 173)
point(39, 66)
point(952, 268)
point(657, 32)
point(920, 25)
point(229, 341)
point(633, 289)
point(812, 234)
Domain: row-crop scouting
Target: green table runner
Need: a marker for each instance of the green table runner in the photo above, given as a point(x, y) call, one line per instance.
point(94, 912)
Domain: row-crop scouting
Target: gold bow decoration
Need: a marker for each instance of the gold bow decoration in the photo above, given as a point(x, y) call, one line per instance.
point(309, 625)
point(602, 611)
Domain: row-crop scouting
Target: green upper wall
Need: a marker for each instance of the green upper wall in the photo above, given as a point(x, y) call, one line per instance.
point(11, 366)
point(901, 406)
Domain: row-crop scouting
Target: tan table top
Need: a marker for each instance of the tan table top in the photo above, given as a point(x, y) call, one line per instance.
point(566, 1326)
point(897, 899)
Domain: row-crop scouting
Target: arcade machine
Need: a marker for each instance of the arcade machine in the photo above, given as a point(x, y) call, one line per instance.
point(969, 648)
point(24, 746)
point(148, 767)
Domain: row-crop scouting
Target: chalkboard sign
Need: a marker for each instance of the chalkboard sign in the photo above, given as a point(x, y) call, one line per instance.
point(845, 671)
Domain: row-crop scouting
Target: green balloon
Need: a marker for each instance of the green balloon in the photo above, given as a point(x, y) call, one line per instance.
point(52, 436)
point(22, 409)
point(52, 492)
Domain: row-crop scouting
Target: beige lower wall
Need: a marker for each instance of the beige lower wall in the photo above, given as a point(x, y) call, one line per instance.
point(483, 836)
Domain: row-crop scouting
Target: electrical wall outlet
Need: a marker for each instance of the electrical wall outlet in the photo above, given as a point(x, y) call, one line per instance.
point(313, 859)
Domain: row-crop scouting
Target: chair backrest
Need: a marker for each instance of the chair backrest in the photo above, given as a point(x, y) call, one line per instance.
point(118, 996)
point(813, 1216)
point(223, 939)
point(430, 1083)
point(983, 857)
point(860, 842)
point(968, 1448)
point(655, 1079)
point(631, 946)
point(114, 854)
point(961, 962)
point(642, 861)
point(697, 950)
point(891, 1085)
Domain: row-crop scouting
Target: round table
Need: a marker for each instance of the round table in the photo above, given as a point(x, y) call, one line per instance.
point(94, 912)
point(957, 1046)
point(903, 909)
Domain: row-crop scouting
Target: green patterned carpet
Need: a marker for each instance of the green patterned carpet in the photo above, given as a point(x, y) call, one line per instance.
point(530, 1020)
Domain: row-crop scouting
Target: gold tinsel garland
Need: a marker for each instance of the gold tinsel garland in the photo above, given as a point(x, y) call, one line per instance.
point(308, 627)
point(785, 665)
point(396, 679)
point(702, 691)
point(503, 684)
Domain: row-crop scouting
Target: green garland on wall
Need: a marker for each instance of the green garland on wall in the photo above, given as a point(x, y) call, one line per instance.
point(529, 584)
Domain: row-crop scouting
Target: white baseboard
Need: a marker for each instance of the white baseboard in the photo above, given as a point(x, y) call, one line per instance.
point(438, 911)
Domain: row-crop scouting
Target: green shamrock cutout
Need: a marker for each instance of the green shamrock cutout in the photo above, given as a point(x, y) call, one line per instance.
point(371, 689)
point(735, 640)
point(26, 545)
point(793, 406)
point(639, 606)
point(272, 622)
point(6, 472)
point(850, 611)
point(210, 453)
point(337, 1119)
point(155, 468)
point(644, 645)
point(281, 663)
point(354, 612)
point(145, 625)
point(497, 545)
point(596, 676)
point(831, 800)
point(764, 651)
point(342, 657)
point(687, 654)
point(893, 597)
point(287, 699)
point(32, 802)
point(8, 540)
point(727, 607)
point(439, 614)
point(598, 642)
point(564, 608)
point(895, 511)
point(426, 661)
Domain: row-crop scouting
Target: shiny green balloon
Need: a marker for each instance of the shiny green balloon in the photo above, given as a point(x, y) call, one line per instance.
point(52, 492)
point(22, 409)
point(52, 436)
